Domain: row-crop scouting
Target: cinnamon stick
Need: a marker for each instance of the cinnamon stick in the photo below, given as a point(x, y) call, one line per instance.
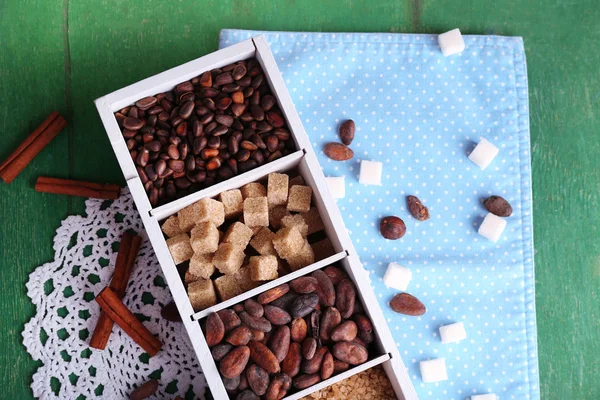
point(120, 314)
point(128, 249)
point(77, 188)
point(35, 142)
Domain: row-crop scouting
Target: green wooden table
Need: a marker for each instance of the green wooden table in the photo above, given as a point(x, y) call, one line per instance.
point(63, 54)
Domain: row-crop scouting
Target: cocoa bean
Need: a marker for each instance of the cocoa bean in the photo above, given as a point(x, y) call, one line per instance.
point(276, 315)
point(345, 298)
point(417, 209)
point(325, 289)
point(238, 308)
point(304, 381)
point(350, 352)
point(498, 206)
point(230, 319)
point(344, 332)
point(298, 329)
point(243, 382)
point(273, 294)
point(215, 330)
point(291, 363)
point(280, 384)
point(363, 322)
point(261, 355)
point(338, 151)
point(231, 384)
point(392, 228)
point(247, 395)
point(335, 274)
point(314, 364)
point(309, 347)
point(234, 362)
point(304, 305)
point(258, 379)
point(257, 335)
point(279, 342)
point(253, 308)
point(144, 391)
point(170, 313)
point(240, 336)
point(285, 301)
point(331, 318)
point(327, 366)
point(220, 351)
point(314, 324)
point(259, 324)
point(404, 303)
point(304, 284)
point(339, 366)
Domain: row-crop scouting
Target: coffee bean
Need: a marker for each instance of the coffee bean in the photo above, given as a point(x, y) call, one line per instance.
point(392, 228)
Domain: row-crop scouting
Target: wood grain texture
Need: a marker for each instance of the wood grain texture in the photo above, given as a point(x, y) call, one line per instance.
point(74, 51)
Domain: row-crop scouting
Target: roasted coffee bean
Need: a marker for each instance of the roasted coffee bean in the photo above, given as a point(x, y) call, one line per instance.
point(304, 381)
point(220, 351)
point(261, 355)
point(298, 330)
point(215, 330)
point(292, 362)
point(276, 315)
point(344, 332)
point(254, 308)
point(144, 391)
point(347, 132)
point(350, 352)
point(417, 209)
point(170, 312)
point(279, 386)
point(279, 342)
point(345, 298)
point(404, 303)
point(234, 362)
point(338, 151)
point(497, 205)
point(239, 336)
point(273, 294)
point(231, 384)
point(309, 347)
point(330, 319)
point(304, 305)
point(392, 228)
point(260, 324)
point(258, 379)
point(325, 289)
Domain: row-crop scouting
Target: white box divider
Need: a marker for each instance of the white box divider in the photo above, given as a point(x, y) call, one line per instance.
point(304, 159)
point(270, 285)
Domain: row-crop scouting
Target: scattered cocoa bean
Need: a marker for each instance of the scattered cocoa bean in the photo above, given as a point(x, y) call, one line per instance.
point(339, 366)
point(144, 391)
point(254, 308)
point(284, 301)
point(280, 384)
point(314, 364)
point(247, 395)
point(338, 151)
point(392, 228)
point(347, 132)
point(231, 384)
point(404, 303)
point(498, 206)
point(304, 284)
point(170, 312)
point(298, 330)
point(417, 209)
point(335, 274)
point(257, 335)
point(220, 351)
point(304, 305)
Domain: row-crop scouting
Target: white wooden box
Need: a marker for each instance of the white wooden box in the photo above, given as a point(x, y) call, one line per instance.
point(303, 160)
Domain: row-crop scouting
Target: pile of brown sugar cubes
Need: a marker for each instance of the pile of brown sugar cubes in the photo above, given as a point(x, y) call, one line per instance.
point(248, 236)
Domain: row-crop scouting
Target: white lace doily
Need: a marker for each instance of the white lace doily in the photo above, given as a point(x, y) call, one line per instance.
point(63, 292)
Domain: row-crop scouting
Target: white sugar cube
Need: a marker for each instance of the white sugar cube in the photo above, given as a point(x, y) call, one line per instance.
point(453, 333)
point(433, 370)
point(337, 186)
point(492, 227)
point(483, 154)
point(490, 396)
point(370, 172)
point(397, 276)
point(451, 42)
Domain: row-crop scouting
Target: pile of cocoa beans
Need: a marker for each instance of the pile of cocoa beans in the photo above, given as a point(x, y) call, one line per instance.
point(290, 337)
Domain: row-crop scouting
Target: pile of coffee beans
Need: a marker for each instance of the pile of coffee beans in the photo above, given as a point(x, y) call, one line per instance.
point(290, 337)
point(206, 130)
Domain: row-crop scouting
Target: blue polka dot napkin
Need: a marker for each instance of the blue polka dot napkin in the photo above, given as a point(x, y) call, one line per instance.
point(421, 114)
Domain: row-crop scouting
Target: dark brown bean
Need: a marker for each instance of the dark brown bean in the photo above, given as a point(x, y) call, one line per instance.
point(407, 304)
point(220, 351)
point(309, 347)
point(276, 315)
point(325, 289)
point(279, 342)
point(170, 312)
point(347, 132)
point(304, 381)
point(392, 228)
point(304, 305)
point(254, 308)
point(497, 205)
point(260, 324)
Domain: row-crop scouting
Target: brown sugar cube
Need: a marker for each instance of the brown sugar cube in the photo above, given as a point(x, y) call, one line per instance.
point(233, 202)
point(276, 214)
point(323, 249)
point(227, 287)
point(313, 220)
point(287, 242)
point(244, 279)
point(228, 259)
point(297, 180)
point(253, 189)
point(239, 235)
point(202, 294)
point(263, 268)
point(297, 221)
point(171, 226)
point(201, 267)
point(180, 248)
point(263, 242)
point(256, 212)
point(299, 199)
point(205, 238)
point(277, 189)
point(201, 211)
point(304, 257)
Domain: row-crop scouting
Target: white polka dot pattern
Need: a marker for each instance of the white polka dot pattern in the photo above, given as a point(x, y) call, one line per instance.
point(420, 114)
